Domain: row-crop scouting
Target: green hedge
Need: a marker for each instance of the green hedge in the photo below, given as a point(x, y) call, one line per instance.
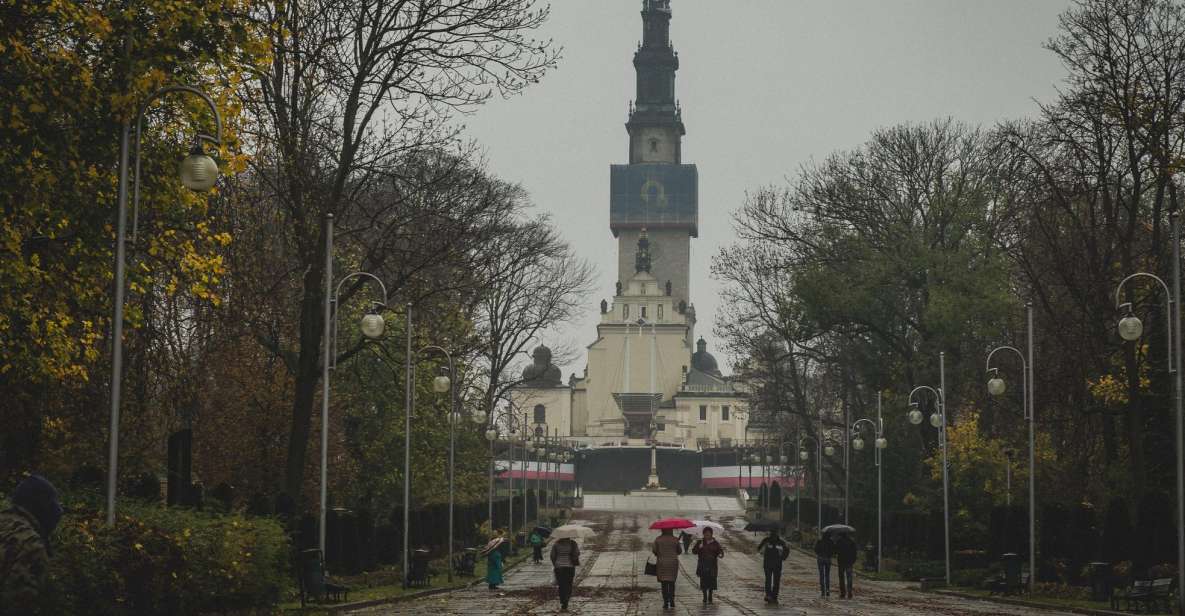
point(165, 561)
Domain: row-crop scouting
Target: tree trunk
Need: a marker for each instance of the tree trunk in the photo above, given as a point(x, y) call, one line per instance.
point(308, 374)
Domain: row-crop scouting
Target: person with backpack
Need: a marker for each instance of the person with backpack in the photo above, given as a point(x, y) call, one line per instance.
point(845, 557)
point(823, 551)
point(536, 541)
point(773, 551)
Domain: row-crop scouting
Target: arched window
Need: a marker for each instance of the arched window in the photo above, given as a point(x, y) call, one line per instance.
point(654, 145)
point(540, 415)
point(538, 431)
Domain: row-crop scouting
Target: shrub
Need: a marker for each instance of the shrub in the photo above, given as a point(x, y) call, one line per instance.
point(164, 561)
point(918, 569)
point(970, 578)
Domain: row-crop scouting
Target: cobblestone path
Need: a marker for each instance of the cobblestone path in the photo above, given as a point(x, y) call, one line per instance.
point(611, 583)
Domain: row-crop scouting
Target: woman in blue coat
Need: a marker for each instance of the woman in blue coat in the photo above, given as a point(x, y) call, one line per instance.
point(494, 563)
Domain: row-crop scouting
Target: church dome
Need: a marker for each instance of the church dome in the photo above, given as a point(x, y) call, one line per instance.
point(541, 372)
point(702, 360)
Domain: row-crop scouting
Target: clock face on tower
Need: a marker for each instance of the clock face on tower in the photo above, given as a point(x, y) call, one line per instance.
point(654, 194)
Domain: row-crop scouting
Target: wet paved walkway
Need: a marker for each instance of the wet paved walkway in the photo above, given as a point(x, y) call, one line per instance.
point(611, 583)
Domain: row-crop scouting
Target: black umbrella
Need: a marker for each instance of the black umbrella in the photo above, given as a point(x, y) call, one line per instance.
point(542, 531)
point(760, 526)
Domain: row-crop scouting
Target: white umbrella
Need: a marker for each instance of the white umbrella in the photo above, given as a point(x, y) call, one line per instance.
point(571, 531)
point(700, 525)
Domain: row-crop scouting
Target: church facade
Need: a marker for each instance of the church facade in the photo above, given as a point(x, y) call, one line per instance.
point(648, 382)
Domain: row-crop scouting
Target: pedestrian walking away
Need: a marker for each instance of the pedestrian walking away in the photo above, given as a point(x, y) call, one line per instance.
point(823, 551)
point(565, 557)
point(707, 567)
point(773, 552)
point(845, 557)
point(666, 552)
point(25, 528)
point(537, 546)
point(686, 538)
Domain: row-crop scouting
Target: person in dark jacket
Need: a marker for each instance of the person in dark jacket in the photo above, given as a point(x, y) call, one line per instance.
point(707, 567)
point(565, 557)
point(25, 529)
point(686, 538)
point(824, 548)
point(845, 557)
point(666, 551)
point(773, 551)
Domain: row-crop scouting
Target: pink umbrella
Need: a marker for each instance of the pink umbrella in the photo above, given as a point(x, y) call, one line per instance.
point(672, 523)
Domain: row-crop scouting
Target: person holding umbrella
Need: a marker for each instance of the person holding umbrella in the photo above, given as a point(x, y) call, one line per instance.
point(773, 551)
point(709, 552)
point(565, 557)
point(493, 562)
point(823, 551)
point(666, 553)
point(845, 557)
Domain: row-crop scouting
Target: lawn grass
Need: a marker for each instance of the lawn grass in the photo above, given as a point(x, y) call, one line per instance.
point(1044, 599)
point(385, 584)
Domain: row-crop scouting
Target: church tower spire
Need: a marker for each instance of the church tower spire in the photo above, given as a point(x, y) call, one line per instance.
point(656, 193)
point(656, 124)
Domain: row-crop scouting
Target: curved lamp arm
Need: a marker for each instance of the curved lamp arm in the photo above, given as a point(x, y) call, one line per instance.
point(216, 139)
point(334, 303)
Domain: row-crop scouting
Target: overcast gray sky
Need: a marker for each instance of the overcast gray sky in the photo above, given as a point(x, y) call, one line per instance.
point(766, 85)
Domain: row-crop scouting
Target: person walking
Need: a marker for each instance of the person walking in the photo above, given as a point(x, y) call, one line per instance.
point(707, 567)
point(823, 551)
point(666, 553)
point(845, 557)
point(686, 538)
point(494, 561)
point(537, 546)
point(25, 528)
point(565, 557)
point(773, 551)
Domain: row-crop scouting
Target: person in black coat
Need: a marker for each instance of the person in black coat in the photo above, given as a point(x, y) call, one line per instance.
point(845, 557)
point(773, 551)
point(823, 551)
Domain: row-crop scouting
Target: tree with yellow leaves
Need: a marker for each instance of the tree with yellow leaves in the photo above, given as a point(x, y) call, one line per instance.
point(74, 70)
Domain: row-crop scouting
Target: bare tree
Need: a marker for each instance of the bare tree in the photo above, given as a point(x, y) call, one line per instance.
point(352, 88)
point(533, 284)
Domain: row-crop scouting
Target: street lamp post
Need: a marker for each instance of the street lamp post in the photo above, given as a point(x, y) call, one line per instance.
point(996, 387)
point(879, 444)
point(938, 420)
point(372, 326)
point(447, 384)
point(1130, 329)
point(199, 173)
point(491, 435)
point(830, 438)
point(804, 456)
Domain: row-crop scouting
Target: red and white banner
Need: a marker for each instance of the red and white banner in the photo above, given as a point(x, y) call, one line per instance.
point(534, 470)
point(746, 476)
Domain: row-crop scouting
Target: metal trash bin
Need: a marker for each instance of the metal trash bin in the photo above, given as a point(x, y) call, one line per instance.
point(870, 563)
point(1102, 582)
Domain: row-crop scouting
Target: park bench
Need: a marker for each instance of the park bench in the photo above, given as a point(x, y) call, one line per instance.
point(1137, 591)
point(1008, 584)
point(313, 583)
point(465, 562)
point(1158, 592)
point(419, 574)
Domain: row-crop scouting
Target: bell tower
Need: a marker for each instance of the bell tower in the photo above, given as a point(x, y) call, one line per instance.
point(655, 191)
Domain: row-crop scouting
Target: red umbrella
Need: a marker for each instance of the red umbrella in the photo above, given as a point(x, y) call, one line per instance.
point(666, 523)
